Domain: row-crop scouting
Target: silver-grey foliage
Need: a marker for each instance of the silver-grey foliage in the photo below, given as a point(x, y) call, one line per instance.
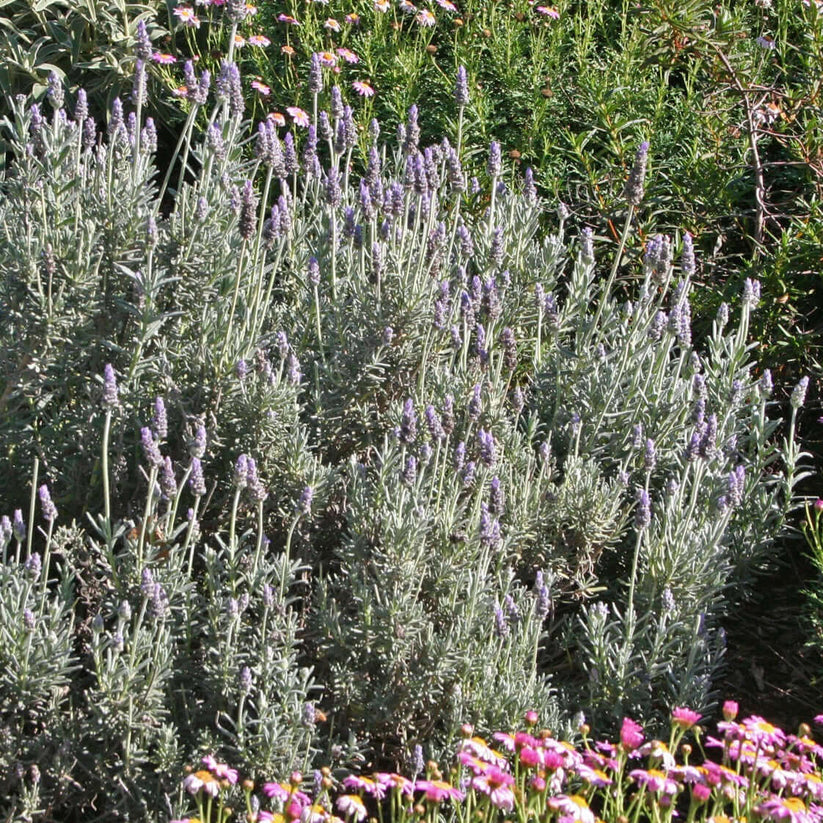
point(410, 461)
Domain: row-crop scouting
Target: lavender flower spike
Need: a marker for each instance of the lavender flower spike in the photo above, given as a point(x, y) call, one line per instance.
point(150, 449)
point(110, 399)
point(634, 185)
point(495, 162)
point(643, 512)
point(49, 509)
point(461, 87)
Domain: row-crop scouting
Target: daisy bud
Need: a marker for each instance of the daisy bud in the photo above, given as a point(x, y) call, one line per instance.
point(730, 710)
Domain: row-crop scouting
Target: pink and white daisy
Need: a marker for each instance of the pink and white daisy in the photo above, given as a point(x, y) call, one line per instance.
point(314, 814)
point(300, 117)
point(279, 791)
point(426, 18)
point(348, 55)
point(436, 791)
point(447, 5)
point(391, 780)
point(496, 784)
point(352, 805)
point(365, 784)
point(287, 18)
point(363, 88)
point(276, 118)
point(594, 777)
point(204, 780)
point(792, 809)
point(655, 781)
point(163, 59)
point(548, 11)
point(382, 5)
point(186, 15)
point(763, 733)
point(479, 748)
point(261, 88)
point(353, 18)
point(239, 41)
point(259, 40)
point(331, 24)
point(327, 59)
point(574, 807)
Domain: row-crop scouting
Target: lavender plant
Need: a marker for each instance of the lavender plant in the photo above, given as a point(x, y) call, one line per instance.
point(379, 442)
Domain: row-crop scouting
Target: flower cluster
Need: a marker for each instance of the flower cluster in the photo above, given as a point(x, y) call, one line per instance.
point(763, 773)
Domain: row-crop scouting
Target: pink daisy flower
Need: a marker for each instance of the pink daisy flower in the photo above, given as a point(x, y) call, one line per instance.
point(262, 88)
point(259, 40)
point(631, 734)
point(331, 24)
point(763, 733)
point(655, 781)
point(186, 15)
point(163, 59)
point(287, 18)
point(395, 781)
point(573, 807)
point(548, 11)
point(447, 5)
point(299, 116)
point(348, 55)
point(685, 718)
point(353, 18)
point(279, 791)
point(594, 777)
point(204, 780)
point(426, 18)
point(363, 88)
point(327, 59)
point(314, 814)
point(351, 805)
point(382, 5)
point(365, 784)
point(792, 809)
point(276, 118)
point(436, 791)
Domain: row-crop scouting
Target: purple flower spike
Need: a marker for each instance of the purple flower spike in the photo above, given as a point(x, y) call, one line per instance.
point(461, 87)
point(634, 185)
point(495, 162)
point(150, 449)
point(110, 398)
point(643, 512)
point(49, 509)
point(306, 498)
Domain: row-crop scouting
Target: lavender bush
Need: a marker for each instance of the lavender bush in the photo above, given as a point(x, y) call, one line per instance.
point(379, 443)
